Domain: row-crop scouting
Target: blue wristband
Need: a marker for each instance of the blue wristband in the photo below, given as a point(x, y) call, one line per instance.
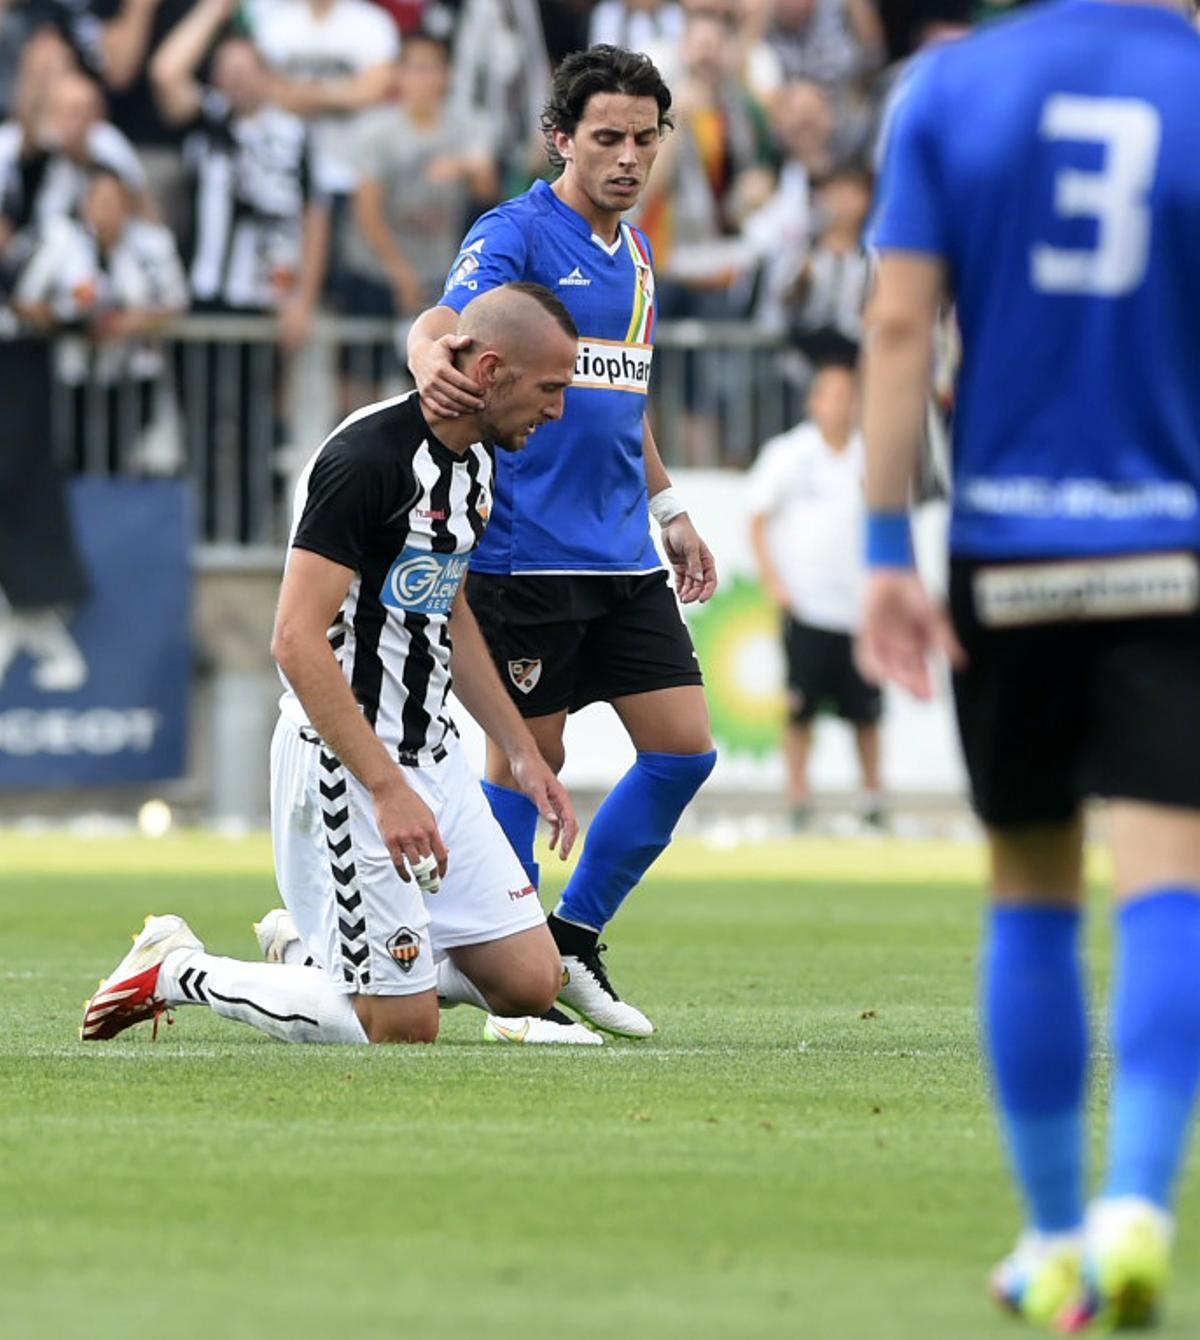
point(889, 540)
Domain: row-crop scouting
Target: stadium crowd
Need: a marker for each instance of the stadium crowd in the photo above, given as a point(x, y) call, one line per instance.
point(279, 157)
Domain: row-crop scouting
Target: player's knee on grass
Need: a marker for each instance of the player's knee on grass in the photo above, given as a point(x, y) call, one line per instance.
point(519, 974)
point(533, 992)
point(399, 1018)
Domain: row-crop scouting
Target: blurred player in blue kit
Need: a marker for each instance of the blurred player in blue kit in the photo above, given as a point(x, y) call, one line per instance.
point(1044, 175)
point(567, 586)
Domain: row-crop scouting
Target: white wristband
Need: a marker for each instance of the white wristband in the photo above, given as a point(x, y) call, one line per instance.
point(665, 506)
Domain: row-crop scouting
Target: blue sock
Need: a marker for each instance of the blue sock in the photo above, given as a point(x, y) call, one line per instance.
point(630, 830)
point(1156, 1037)
point(518, 816)
point(1035, 1028)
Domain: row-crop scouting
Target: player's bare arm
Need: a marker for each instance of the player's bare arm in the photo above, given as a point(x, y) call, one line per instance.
point(479, 689)
point(902, 626)
point(690, 558)
point(432, 345)
point(312, 593)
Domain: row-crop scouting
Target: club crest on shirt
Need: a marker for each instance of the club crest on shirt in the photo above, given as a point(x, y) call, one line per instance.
point(405, 948)
point(525, 674)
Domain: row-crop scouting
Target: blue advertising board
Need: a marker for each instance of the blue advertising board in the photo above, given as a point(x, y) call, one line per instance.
point(104, 697)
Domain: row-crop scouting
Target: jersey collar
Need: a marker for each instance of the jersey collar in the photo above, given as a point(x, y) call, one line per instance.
point(437, 448)
point(576, 220)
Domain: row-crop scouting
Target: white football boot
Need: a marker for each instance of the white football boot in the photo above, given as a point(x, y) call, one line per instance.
point(129, 994)
point(553, 1027)
point(587, 992)
point(275, 934)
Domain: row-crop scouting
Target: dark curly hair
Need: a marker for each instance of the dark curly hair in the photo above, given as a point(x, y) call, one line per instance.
point(600, 69)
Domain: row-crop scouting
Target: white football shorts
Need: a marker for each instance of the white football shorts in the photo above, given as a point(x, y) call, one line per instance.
point(374, 933)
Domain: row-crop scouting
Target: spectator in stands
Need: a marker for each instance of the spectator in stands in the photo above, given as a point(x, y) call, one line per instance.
point(825, 305)
point(808, 128)
point(421, 165)
point(713, 171)
point(132, 32)
point(117, 279)
point(330, 60)
point(835, 43)
point(261, 231)
point(261, 246)
point(42, 577)
point(501, 73)
point(807, 514)
point(45, 58)
point(780, 233)
point(711, 174)
point(26, 24)
point(651, 26)
point(45, 156)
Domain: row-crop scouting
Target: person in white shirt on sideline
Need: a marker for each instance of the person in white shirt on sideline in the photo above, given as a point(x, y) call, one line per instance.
point(807, 508)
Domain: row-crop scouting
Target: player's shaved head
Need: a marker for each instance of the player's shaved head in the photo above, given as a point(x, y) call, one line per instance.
point(513, 320)
point(521, 355)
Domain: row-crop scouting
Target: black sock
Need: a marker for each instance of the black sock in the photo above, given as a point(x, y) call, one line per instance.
point(577, 941)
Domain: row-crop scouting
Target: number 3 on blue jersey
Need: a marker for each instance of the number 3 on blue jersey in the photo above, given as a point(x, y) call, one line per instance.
point(1130, 132)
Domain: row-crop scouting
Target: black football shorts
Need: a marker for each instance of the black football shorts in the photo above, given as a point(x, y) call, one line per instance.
point(1083, 679)
point(567, 641)
point(822, 676)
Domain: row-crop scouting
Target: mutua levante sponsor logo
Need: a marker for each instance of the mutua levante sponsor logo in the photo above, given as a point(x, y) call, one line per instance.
point(423, 582)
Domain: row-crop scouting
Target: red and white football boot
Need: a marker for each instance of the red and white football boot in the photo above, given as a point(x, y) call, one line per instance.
point(129, 994)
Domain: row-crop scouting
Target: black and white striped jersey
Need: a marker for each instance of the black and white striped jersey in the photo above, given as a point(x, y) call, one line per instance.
point(252, 186)
point(384, 497)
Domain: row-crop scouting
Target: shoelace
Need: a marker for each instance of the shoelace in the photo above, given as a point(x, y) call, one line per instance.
point(595, 966)
point(162, 1011)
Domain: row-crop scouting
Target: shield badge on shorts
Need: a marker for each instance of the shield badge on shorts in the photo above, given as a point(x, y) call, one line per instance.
point(404, 947)
point(525, 674)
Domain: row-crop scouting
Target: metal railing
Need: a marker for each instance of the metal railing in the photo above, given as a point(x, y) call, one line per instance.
point(216, 400)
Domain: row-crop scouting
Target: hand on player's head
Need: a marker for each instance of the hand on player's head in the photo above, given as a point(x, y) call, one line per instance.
point(521, 358)
point(446, 389)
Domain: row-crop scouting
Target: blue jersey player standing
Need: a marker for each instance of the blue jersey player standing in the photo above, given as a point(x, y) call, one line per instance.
point(566, 585)
point(1045, 174)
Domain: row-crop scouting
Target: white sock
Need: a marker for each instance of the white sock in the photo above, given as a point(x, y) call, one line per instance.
point(287, 1002)
point(456, 988)
point(296, 956)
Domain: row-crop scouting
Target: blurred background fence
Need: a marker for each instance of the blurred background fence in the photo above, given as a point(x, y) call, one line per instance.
point(227, 413)
point(214, 419)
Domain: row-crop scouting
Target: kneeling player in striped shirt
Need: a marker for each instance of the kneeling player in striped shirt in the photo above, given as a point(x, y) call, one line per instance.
point(400, 885)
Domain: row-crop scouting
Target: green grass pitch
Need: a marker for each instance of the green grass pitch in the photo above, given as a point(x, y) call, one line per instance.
point(805, 1149)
